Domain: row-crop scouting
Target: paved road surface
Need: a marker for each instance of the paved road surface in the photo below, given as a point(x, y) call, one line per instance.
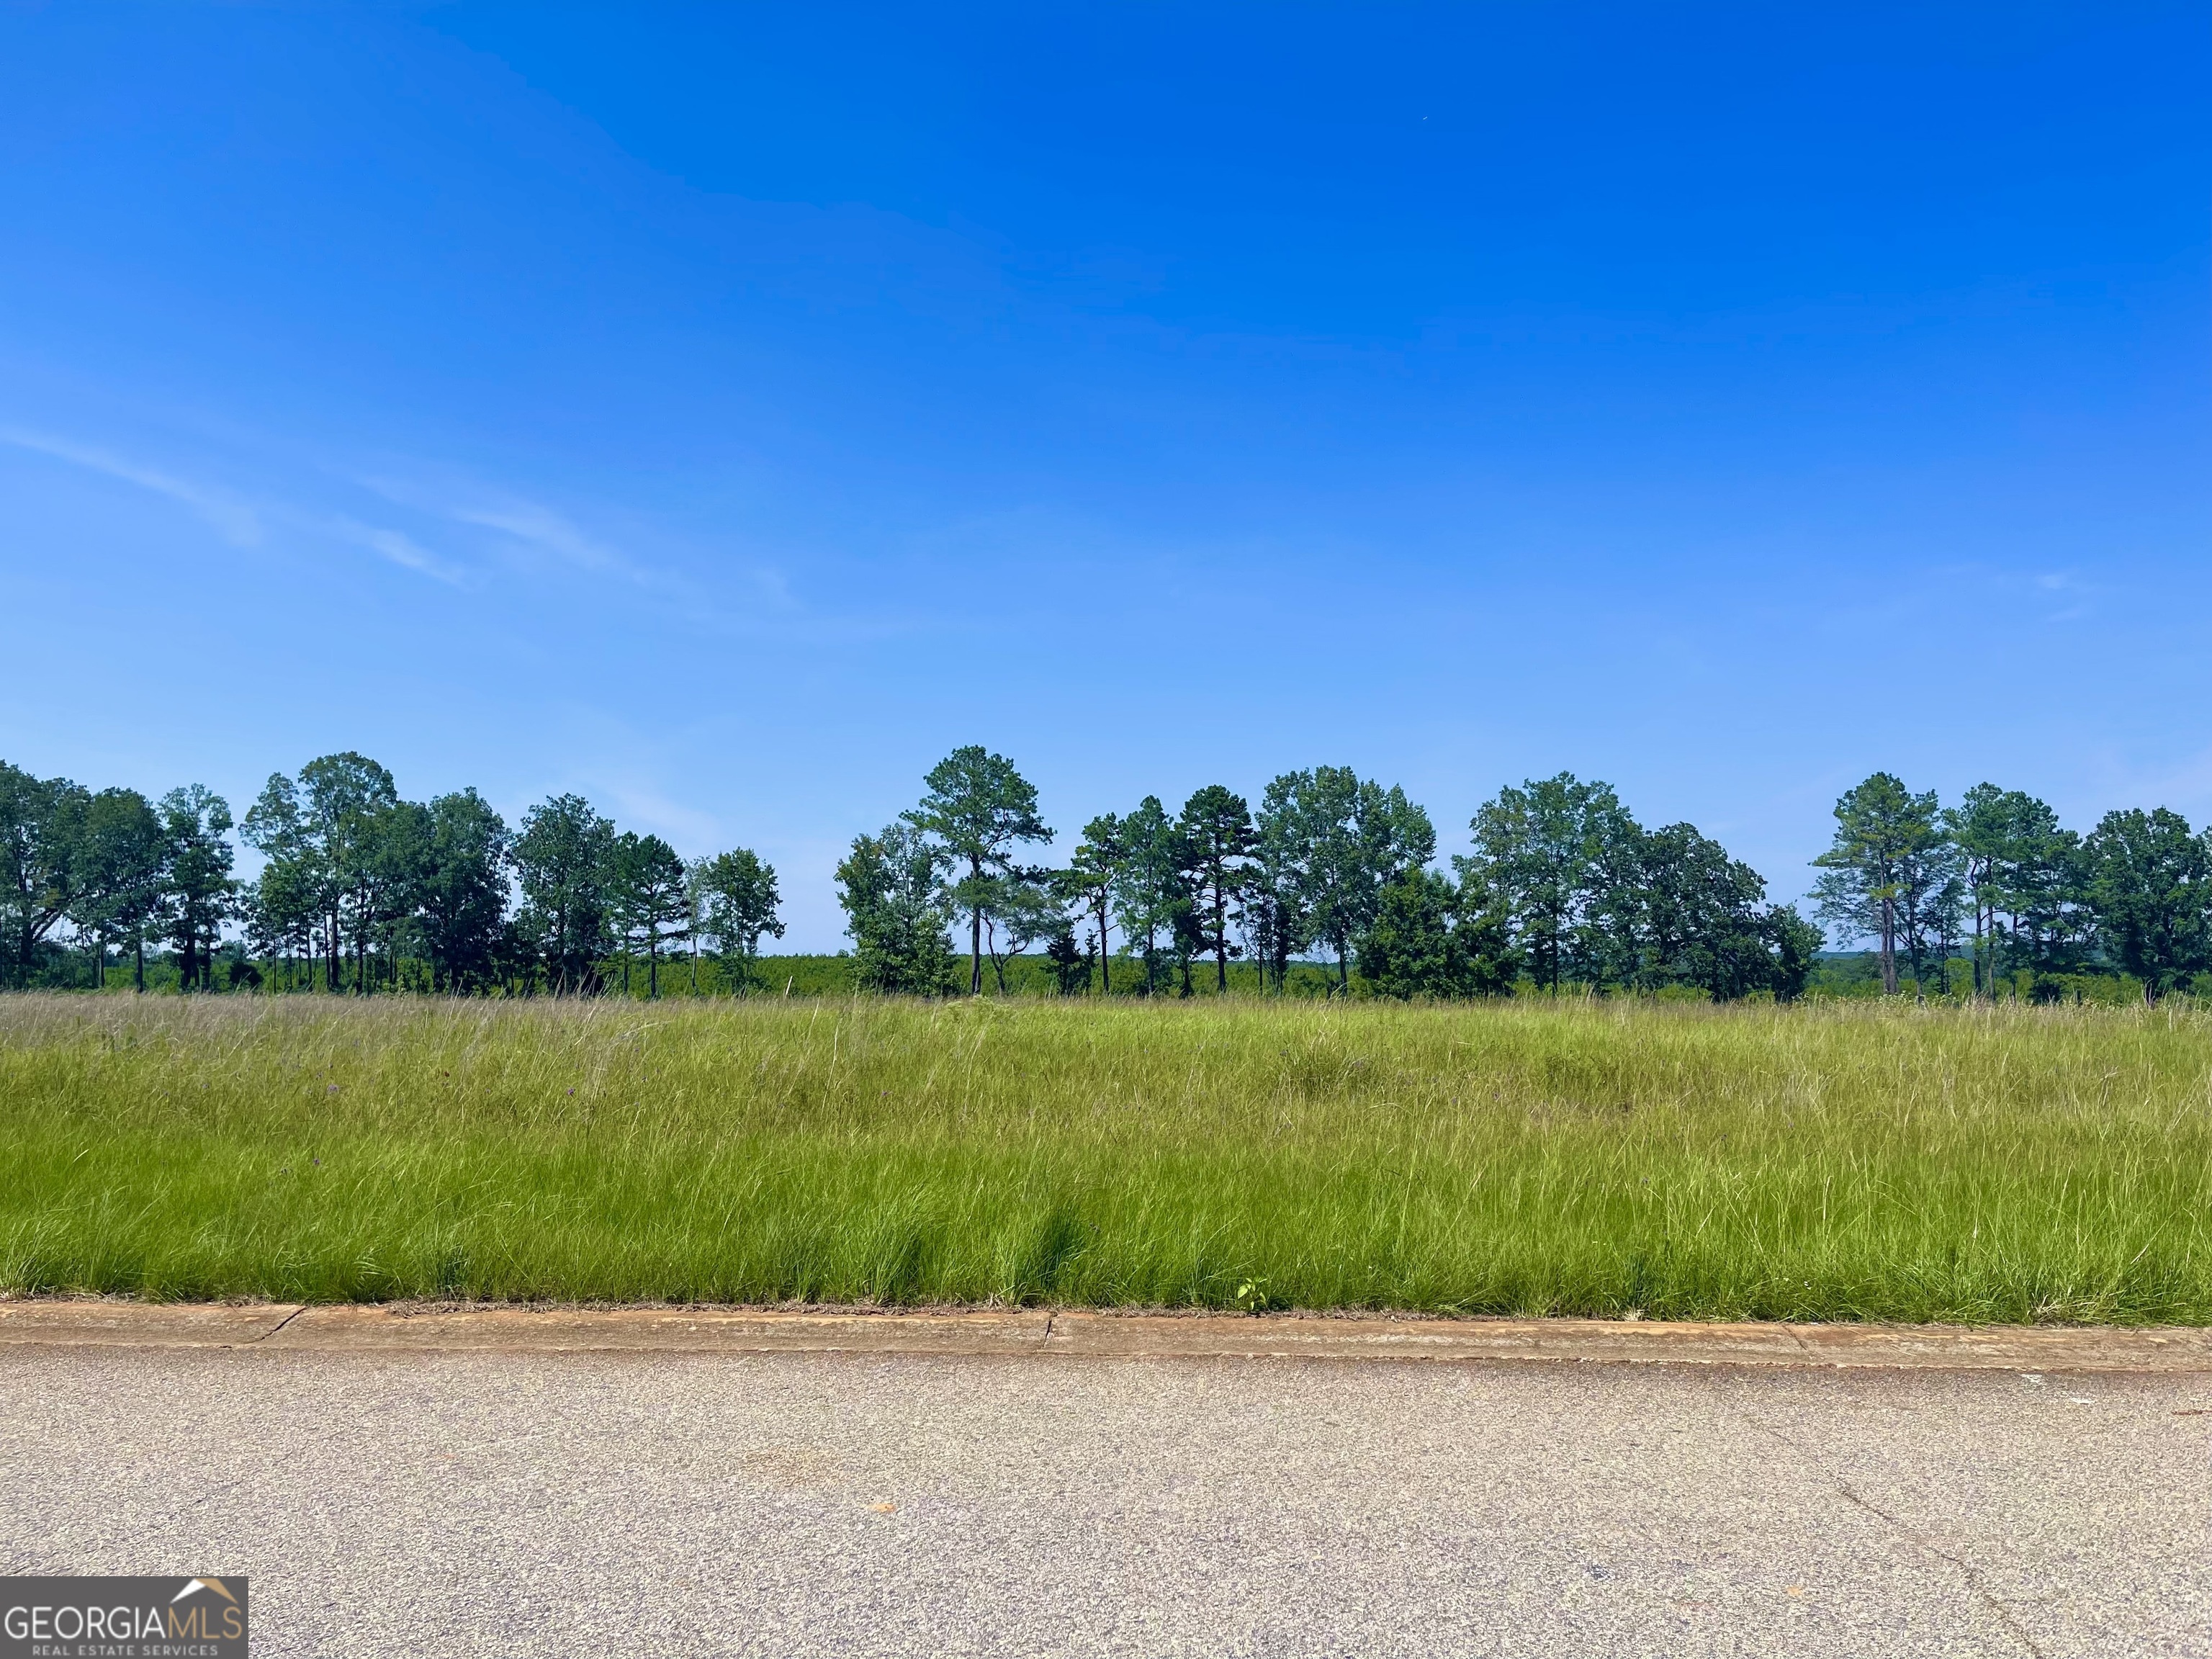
point(453, 1503)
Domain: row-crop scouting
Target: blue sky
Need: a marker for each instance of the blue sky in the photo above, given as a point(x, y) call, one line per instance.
point(724, 413)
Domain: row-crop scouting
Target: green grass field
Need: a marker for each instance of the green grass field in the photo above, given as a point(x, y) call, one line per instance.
point(1822, 1161)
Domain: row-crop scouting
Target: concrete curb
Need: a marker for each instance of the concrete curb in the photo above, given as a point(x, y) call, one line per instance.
point(401, 1329)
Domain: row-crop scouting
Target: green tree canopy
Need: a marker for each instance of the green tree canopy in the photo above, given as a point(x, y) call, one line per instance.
point(891, 886)
point(196, 882)
point(330, 841)
point(1699, 916)
point(118, 859)
point(40, 820)
point(1335, 841)
point(1431, 938)
point(980, 808)
point(1873, 872)
point(1556, 852)
point(563, 862)
point(2150, 886)
point(1090, 881)
point(1217, 835)
point(462, 892)
point(734, 902)
point(1152, 890)
point(2023, 876)
point(652, 900)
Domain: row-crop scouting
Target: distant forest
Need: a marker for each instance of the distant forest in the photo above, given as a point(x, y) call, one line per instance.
point(1330, 888)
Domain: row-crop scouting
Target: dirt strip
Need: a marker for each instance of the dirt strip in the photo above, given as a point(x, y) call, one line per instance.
point(401, 1327)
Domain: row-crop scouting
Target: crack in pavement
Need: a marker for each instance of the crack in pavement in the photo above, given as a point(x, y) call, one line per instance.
point(1974, 1578)
point(1975, 1581)
point(280, 1324)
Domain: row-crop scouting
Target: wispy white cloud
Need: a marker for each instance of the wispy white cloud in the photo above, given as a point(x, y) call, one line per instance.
point(236, 521)
point(240, 522)
point(537, 535)
point(542, 527)
point(401, 550)
point(434, 507)
point(531, 525)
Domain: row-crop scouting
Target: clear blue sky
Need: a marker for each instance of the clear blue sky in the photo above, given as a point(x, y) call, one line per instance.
point(724, 413)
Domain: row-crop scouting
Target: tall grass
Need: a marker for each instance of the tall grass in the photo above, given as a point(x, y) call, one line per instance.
point(1839, 1162)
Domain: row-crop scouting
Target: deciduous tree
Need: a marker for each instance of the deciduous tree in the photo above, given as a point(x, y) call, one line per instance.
point(40, 820)
point(2150, 885)
point(1555, 852)
point(196, 883)
point(1699, 916)
point(735, 901)
point(891, 887)
point(564, 863)
point(118, 878)
point(1429, 937)
point(462, 893)
point(1340, 841)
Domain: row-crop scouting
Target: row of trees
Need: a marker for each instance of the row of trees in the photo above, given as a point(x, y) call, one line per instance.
point(360, 888)
point(2029, 898)
point(1564, 886)
point(118, 870)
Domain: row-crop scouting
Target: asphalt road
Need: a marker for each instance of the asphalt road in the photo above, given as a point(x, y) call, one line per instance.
point(808, 1503)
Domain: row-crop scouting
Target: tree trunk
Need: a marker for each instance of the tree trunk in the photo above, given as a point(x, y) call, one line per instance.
point(974, 935)
point(1888, 946)
point(1105, 957)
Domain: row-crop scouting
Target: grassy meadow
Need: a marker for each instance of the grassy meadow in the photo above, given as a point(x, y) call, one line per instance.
point(1831, 1161)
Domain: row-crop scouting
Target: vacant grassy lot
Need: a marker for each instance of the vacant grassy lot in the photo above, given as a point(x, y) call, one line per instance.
point(1815, 1162)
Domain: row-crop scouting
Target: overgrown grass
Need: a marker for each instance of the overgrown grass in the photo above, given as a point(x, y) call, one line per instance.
point(1839, 1162)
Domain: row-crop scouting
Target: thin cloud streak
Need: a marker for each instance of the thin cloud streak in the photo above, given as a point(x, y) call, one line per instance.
point(401, 550)
point(240, 523)
point(542, 527)
point(534, 527)
point(232, 518)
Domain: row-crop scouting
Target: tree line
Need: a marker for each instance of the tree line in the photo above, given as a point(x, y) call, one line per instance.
point(361, 889)
point(1563, 887)
point(2030, 900)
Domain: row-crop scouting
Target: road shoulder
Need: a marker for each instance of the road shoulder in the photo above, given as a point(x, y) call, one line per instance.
point(1089, 1333)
